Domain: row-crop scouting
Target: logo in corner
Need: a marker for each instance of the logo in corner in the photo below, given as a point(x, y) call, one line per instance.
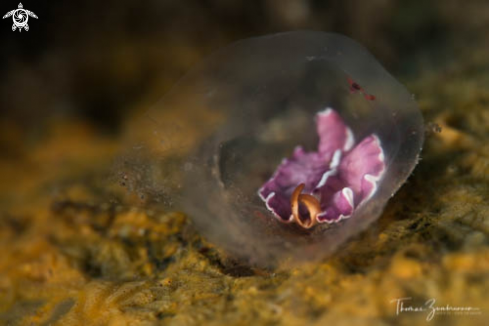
point(20, 16)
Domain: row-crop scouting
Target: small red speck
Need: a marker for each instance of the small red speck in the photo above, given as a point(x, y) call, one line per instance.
point(355, 87)
point(259, 215)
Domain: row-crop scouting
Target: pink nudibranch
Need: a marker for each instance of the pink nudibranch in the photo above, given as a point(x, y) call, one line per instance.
point(327, 185)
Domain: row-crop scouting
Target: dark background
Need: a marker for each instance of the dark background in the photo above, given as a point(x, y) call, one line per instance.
point(101, 61)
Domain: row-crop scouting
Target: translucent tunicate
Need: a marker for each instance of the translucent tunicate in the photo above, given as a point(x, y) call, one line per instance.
point(223, 130)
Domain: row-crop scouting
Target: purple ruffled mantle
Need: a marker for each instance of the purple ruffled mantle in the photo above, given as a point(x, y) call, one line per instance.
point(327, 185)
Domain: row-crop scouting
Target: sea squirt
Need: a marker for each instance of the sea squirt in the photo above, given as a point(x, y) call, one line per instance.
point(295, 143)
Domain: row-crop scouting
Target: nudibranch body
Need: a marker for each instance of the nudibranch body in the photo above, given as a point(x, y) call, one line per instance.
point(327, 185)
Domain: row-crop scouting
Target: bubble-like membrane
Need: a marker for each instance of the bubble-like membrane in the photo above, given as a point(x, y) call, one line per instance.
point(221, 132)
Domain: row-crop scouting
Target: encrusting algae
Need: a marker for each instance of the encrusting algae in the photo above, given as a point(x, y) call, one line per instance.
point(73, 260)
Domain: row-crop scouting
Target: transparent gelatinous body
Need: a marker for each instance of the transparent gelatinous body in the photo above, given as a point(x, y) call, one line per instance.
point(246, 108)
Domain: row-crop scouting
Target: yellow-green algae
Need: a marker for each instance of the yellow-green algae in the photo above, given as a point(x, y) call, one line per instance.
point(70, 257)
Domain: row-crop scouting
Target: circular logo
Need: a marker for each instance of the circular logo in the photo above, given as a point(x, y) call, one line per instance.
point(20, 18)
